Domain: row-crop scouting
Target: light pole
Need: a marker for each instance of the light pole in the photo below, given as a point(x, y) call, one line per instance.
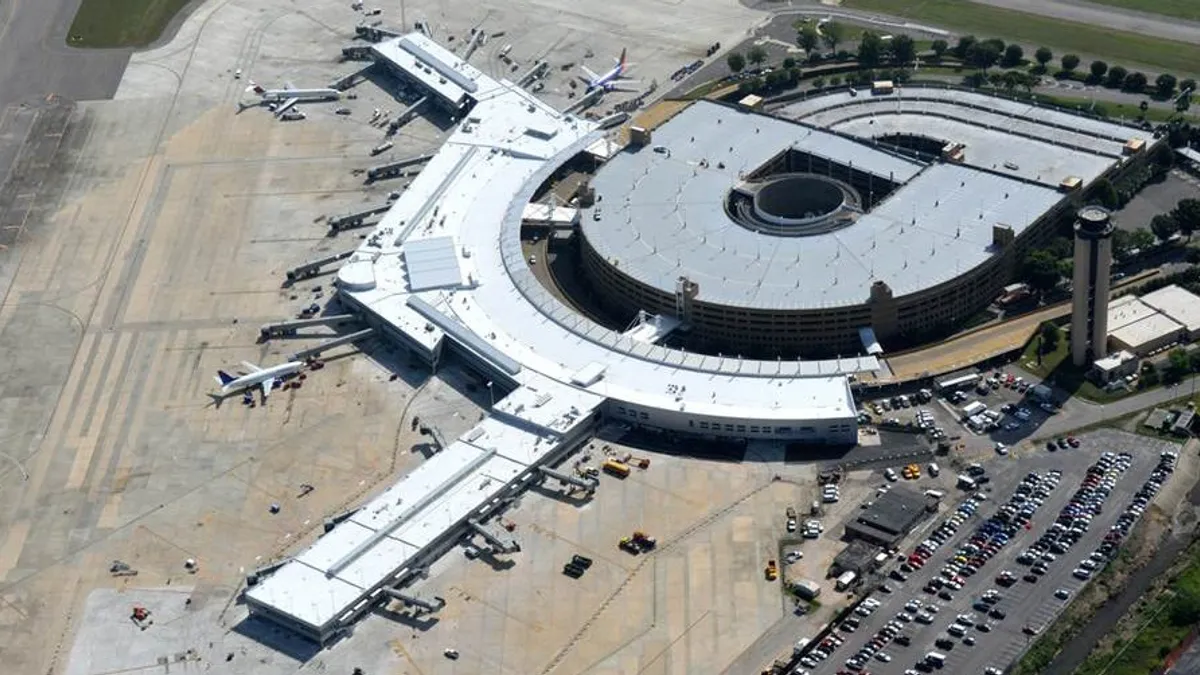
point(491, 394)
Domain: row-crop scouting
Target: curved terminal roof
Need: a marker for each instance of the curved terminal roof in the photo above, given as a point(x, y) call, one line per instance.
point(660, 215)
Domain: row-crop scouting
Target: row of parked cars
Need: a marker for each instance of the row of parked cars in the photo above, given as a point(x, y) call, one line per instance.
point(1075, 518)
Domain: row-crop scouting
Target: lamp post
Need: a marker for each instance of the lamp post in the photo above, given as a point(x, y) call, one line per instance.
point(491, 394)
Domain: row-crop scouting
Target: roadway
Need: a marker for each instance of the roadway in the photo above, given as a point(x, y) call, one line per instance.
point(1115, 18)
point(1079, 413)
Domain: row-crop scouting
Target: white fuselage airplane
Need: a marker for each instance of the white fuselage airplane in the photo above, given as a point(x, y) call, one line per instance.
point(257, 377)
point(290, 92)
point(610, 80)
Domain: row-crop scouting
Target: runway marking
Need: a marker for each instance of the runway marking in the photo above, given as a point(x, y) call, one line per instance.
point(110, 515)
point(14, 543)
point(91, 382)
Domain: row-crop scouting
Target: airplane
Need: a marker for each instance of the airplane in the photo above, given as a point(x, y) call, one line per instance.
point(266, 378)
point(290, 92)
point(287, 105)
point(611, 80)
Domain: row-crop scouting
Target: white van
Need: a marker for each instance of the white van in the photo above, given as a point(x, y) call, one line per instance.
point(934, 469)
point(936, 494)
point(936, 658)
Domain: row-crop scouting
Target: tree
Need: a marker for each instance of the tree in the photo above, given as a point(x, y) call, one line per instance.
point(1013, 79)
point(1104, 191)
point(1188, 84)
point(1040, 270)
point(870, 50)
point(1194, 360)
point(1178, 365)
point(835, 81)
point(756, 55)
point(1187, 216)
point(983, 55)
point(808, 39)
point(1141, 239)
point(904, 50)
point(1116, 77)
point(736, 62)
point(1099, 68)
point(1043, 56)
point(1120, 243)
point(1185, 606)
point(789, 63)
point(1163, 226)
point(1013, 54)
point(939, 48)
point(1164, 85)
point(1134, 82)
point(818, 83)
point(831, 34)
point(964, 45)
point(1051, 335)
point(1070, 62)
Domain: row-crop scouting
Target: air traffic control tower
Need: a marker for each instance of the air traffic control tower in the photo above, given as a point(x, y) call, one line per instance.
point(1089, 297)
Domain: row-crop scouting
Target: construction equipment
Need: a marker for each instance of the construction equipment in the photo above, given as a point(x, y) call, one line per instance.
point(640, 462)
point(830, 476)
point(141, 617)
point(616, 468)
point(121, 569)
point(638, 542)
point(578, 565)
point(771, 571)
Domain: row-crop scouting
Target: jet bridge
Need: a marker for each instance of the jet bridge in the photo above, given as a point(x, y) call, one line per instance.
point(394, 169)
point(356, 218)
point(495, 544)
point(430, 606)
point(588, 485)
point(313, 267)
point(311, 352)
point(272, 330)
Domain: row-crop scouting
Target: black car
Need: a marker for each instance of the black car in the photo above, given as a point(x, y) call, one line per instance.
point(997, 613)
point(1062, 443)
point(903, 640)
point(1051, 446)
point(945, 595)
point(1031, 578)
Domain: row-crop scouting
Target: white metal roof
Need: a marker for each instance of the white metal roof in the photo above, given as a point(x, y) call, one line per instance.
point(439, 70)
point(1177, 303)
point(661, 216)
point(432, 263)
point(1126, 310)
point(1147, 331)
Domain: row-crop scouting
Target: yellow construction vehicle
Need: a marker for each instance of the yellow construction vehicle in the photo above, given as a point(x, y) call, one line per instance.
point(771, 571)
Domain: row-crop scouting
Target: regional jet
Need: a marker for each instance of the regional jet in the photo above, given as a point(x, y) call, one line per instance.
point(266, 378)
point(291, 92)
point(611, 80)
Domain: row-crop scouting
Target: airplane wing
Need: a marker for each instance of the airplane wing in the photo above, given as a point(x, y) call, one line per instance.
point(251, 367)
point(267, 386)
point(589, 73)
point(617, 85)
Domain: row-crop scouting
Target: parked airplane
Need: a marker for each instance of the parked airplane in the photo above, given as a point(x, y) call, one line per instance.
point(266, 378)
point(611, 80)
point(290, 92)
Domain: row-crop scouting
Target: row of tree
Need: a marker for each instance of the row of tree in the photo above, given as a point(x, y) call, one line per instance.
point(1043, 268)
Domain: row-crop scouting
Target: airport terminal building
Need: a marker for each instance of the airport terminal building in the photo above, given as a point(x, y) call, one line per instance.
point(786, 235)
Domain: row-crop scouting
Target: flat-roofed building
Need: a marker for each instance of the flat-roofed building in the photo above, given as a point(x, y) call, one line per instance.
point(1180, 304)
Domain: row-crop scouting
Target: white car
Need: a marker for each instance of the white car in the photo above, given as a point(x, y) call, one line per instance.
point(1062, 594)
point(890, 475)
point(1001, 448)
point(883, 656)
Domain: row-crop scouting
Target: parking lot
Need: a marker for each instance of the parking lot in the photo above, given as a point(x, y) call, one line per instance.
point(998, 617)
point(998, 409)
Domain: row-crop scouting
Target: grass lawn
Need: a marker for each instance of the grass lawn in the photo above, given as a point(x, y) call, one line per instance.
point(1156, 634)
point(1117, 47)
point(1184, 9)
point(1058, 369)
point(121, 23)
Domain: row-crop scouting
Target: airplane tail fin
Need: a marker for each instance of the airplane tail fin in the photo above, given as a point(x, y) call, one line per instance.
point(217, 399)
point(622, 61)
point(224, 378)
point(255, 87)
